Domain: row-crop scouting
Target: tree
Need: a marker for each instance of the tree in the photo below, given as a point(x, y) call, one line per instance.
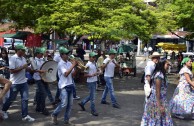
point(100, 19)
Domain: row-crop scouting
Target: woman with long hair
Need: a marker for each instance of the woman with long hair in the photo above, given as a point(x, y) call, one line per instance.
point(4, 75)
point(182, 102)
point(4, 64)
point(156, 111)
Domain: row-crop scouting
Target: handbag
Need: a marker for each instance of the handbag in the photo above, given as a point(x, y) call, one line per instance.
point(147, 89)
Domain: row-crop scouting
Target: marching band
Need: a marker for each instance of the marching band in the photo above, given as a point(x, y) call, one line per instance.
point(17, 65)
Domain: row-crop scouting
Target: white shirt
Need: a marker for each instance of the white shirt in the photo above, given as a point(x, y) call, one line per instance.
point(150, 49)
point(62, 68)
point(145, 49)
point(38, 63)
point(91, 70)
point(16, 62)
point(149, 69)
point(110, 68)
point(57, 58)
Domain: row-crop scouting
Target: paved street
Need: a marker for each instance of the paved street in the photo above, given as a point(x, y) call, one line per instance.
point(129, 93)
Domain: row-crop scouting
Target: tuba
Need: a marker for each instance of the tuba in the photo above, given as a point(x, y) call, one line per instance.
point(80, 63)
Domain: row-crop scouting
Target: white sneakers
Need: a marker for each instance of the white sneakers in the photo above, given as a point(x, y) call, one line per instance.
point(5, 115)
point(28, 118)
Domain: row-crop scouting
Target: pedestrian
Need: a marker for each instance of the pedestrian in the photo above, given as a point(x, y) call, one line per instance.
point(41, 90)
point(182, 102)
point(65, 84)
point(91, 75)
point(149, 69)
point(57, 58)
point(109, 65)
point(156, 112)
point(18, 66)
point(99, 64)
point(179, 60)
point(5, 86)
point(4, 69)
point(48, 57)
point(80, 52)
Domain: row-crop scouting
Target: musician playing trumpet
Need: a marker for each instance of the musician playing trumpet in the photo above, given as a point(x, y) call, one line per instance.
point(40, 95)
point(109, 65)
point(91, 75)
point(65, 72)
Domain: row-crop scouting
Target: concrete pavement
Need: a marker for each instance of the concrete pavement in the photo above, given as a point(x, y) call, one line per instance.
point(129, 93)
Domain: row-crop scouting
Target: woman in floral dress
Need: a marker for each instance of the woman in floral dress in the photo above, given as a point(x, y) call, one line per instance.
point(156, 111)
point(182, 102)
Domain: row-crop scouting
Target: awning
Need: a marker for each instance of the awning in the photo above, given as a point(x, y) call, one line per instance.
point(18, 35)
point(7, 35)
point(61, 41)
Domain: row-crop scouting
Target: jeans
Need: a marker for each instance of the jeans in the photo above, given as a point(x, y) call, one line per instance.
point(74, 90)
point(66, 97)
point(109, 87)
point(40, 96)
point(48, 92)
point(91, 97)
point(57, 95)
point(23, 89)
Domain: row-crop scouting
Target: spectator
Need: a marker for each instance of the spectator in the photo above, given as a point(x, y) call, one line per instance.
point(80, 52)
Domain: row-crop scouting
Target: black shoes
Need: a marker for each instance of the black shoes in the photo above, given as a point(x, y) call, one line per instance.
point(116, 105)
point(44, 112)
point(94, 113)
point(82, 106)
point(54, 119)
point(67, 123)
point(105, 102)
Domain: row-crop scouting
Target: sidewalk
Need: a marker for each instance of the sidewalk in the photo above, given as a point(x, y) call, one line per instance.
point(129, 93)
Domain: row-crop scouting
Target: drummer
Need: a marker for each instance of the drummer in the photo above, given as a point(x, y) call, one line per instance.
point(41, 90)
point(65, 84)
point(17, 66)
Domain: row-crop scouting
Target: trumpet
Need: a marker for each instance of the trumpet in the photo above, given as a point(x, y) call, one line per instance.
point(79, 62)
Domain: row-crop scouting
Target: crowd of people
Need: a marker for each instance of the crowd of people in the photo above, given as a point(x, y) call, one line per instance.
point(157, 110)
point(14, 68)
point(99, 68)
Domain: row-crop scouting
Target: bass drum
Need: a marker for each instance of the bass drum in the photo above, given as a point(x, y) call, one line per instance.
point(51, 71)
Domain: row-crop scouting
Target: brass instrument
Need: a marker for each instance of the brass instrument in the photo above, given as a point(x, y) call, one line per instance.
point(80, 63)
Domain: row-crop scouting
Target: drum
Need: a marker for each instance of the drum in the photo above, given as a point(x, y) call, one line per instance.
point(51, 71)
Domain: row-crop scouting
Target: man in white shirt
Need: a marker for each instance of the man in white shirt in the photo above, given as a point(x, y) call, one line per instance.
point(57, 58)
point(65, 84)
point(17, 66)
point(109, 65)
point(149, 69)
point(41, 90)
point(91, 75)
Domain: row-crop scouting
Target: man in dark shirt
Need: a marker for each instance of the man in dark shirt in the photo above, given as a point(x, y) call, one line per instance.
point(80, 52)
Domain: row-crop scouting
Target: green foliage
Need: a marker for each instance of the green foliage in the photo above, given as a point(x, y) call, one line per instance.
point(100, 19)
